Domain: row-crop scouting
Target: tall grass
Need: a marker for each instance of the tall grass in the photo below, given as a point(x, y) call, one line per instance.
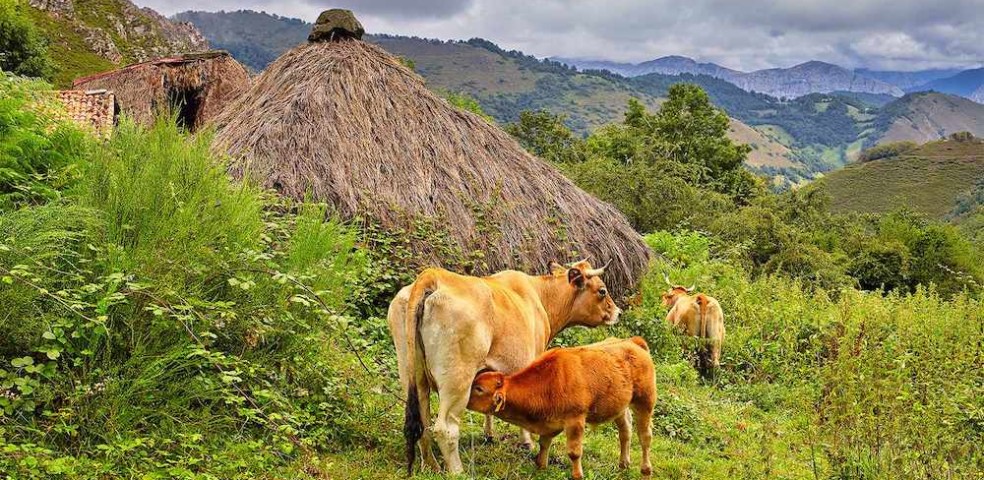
point(160, 314)
point(168, 203)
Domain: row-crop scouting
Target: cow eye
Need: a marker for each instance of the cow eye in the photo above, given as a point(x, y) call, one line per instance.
point(602, 293)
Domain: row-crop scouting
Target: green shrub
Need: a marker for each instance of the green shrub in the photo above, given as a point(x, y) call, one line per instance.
point(23, 49)
point(887, 150)
point(39, 156)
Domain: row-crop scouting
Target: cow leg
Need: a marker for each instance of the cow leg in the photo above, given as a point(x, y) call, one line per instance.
point(543, 456)
point(396, 318)
point(624, 434)
point(426, 452)
point(447, 428)
point(644, 430)
point(574, 431)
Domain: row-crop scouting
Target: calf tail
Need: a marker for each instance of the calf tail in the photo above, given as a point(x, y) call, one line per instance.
point(413, 425)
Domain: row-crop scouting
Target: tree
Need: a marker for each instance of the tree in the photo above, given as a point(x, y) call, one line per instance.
point(545, 135)
point(462, 101)
point(23, 50)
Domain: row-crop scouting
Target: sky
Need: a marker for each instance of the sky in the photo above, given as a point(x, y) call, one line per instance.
point(742, 34)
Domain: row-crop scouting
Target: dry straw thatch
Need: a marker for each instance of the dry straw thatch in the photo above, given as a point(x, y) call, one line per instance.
point(347, 123)
point(198, 86)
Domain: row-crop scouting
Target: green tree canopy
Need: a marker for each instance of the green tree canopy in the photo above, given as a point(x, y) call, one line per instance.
point(23, 50)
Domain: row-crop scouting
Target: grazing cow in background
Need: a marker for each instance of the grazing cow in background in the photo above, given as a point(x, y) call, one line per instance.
point(446, 327)
point(698, 316)
point(567, 388)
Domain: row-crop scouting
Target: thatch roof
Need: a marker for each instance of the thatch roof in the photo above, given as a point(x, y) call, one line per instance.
point(198, 86)
point(347, 123)
point(93, 110)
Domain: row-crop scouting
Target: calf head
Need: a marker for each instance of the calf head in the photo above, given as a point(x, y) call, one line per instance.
point(674, 293)
point(486, 392)
point(591, 303)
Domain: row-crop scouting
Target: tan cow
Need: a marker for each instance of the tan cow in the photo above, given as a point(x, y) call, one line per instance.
point(446, 327)
point(698, 316)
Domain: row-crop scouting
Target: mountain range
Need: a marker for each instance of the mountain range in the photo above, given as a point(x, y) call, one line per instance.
point(805, 78)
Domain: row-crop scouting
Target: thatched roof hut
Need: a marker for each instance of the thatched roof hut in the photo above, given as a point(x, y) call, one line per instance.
point(198, 86)
point(347, 123)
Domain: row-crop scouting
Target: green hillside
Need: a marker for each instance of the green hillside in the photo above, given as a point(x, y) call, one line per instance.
point(927, 180)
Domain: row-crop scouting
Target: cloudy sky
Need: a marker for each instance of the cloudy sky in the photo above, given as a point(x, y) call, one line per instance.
point(743, 34)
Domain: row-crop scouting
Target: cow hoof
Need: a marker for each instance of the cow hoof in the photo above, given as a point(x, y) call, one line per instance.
point(487, 439)
point(623, 465)
point(647, 471)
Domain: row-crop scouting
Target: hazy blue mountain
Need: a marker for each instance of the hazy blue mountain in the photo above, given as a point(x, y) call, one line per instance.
point(967, 84)
point(670, 65)
point(907, 80)
point(802, 79)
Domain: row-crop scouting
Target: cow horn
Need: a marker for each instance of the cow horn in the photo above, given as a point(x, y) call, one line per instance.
point(597, 272)
point(571, 265)
point(667, 278)
point(691, 288)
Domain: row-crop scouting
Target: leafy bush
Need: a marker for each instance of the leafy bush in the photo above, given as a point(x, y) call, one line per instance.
point(886, 150)
point(23, 49)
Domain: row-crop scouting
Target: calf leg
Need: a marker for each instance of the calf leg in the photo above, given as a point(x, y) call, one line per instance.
point(624, 433)
point(543, 456)
point(488, 427)
point(574, 431)
point(644, 430)
point(526, 440)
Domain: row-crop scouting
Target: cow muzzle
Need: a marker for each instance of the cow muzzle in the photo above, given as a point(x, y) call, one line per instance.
point(612, 318)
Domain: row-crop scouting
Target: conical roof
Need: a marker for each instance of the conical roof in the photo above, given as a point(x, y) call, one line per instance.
point(347, 123)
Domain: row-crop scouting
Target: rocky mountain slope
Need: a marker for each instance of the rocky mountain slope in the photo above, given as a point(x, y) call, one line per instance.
point(89, 36)
point(810, 77)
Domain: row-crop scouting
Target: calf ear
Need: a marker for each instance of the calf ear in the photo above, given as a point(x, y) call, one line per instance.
point(576, 277)
point(498, 401)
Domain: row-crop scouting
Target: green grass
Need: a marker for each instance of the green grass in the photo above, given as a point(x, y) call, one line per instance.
point(926, 181)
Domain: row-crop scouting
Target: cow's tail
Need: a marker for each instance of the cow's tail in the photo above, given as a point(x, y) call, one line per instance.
point(701, 302)
point(413, 426)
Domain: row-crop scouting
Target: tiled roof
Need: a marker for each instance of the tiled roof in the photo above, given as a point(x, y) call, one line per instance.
point(94, 109)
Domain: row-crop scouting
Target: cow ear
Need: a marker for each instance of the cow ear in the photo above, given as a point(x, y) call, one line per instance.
point(556, 268)
point(576, 277)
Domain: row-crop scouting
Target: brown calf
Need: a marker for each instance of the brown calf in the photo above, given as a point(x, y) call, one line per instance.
point(567, 388)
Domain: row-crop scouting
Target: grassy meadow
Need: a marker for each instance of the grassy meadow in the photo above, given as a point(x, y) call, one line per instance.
point(161, 321)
